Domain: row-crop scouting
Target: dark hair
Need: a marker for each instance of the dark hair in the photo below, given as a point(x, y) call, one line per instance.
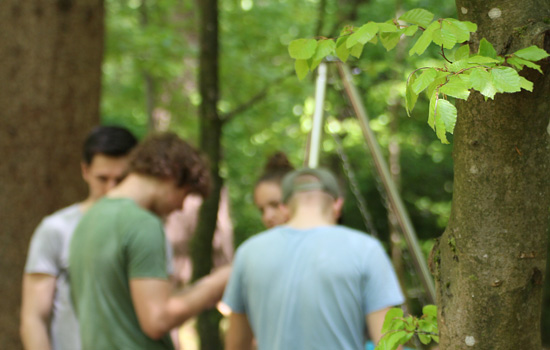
point(113, 141)
point(276, 168)
point(166, 156)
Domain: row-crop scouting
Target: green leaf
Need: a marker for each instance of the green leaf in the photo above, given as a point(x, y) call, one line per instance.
point(410, 95)
point(325, 47)
point(362, 35)
point(393, 340)
point(387, 27)
point(357, 50)
point(531, 53)
point(430, 310)
point(313, 63)
point(342, 50)
point(392, 314)
point(462, 52)
point(424, 80)
point(458, 66)
point(420, 17)
point(390, 40)
point(439, 80)
point(302, 68)
point(486, 49)
point(481, 81)
point(461, 30)
point(302, 49)
point(525, 84)
point(411, 30)
point(520, 62)
point(424, 338)
point(442, 117)
point(435, 338)
point(457, 88)
point(506, 79)
point(482, 60)
point(425, 39)
point(446, 112)
point(444, 37)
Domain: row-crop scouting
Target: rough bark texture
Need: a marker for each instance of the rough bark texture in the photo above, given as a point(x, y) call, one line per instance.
point(210, 135)
point(491, 259)
point(49, 99)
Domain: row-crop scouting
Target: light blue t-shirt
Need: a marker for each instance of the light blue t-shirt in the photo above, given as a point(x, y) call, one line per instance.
point(311, 289)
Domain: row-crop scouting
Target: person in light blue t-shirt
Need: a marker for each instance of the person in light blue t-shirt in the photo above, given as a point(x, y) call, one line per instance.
point(309, 284)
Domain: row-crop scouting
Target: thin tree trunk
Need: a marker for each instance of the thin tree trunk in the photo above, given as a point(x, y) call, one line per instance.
point(493, 252)
point(50, 72)
point(210, 143)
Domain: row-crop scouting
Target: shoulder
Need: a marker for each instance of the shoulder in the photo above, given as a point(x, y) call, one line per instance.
point(355, 239)
point(63, 220)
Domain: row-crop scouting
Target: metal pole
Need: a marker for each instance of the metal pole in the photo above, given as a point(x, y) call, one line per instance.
point(317, 127)
point(393, 196)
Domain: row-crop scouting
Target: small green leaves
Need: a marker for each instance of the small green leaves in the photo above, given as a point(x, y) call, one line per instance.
point(419, 17)
point(302, 49)
point(398, 330)
point(393, 320)
point(531, 53)
point(362, 35)
point(484, 71)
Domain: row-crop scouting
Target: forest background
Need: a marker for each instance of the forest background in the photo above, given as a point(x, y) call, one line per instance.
point(150, 70)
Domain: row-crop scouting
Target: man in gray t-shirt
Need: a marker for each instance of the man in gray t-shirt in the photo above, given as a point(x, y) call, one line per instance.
point(47, 316)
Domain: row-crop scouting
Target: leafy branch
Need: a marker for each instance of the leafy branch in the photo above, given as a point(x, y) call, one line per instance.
point(398, 329)
point(462, 71)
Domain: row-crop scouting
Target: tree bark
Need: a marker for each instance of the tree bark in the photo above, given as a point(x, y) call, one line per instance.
point(491, 259)
point(49, 100)
point(210, 144)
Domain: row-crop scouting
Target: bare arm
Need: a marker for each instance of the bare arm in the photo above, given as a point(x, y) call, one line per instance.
point(36, 309)
point(239, 335)
point(158, 310)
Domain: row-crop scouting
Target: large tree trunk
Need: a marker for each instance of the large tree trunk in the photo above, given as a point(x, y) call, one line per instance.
point(50, 74)
point(493, 252)
point(210, 135)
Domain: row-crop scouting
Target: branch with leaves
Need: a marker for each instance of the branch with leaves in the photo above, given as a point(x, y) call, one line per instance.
point(461, 70)
point(398, 329)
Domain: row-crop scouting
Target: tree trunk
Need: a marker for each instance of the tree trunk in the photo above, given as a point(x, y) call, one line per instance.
point(210, 134)
point(49, 100)
point(493, 252)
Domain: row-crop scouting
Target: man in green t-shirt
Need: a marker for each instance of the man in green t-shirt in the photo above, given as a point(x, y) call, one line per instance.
point(120, 287)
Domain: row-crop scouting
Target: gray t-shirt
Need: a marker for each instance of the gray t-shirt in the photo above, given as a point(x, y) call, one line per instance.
point(49, 254)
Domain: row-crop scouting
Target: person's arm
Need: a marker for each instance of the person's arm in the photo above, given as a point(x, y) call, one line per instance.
point(375, 321)
point(158, 310)
point(239, 335)
point(36, 309)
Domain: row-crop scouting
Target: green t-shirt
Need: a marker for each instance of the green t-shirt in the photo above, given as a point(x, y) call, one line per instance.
point(115, 241)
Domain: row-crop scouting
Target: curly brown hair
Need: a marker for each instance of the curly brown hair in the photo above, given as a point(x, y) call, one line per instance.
point(166, 156)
